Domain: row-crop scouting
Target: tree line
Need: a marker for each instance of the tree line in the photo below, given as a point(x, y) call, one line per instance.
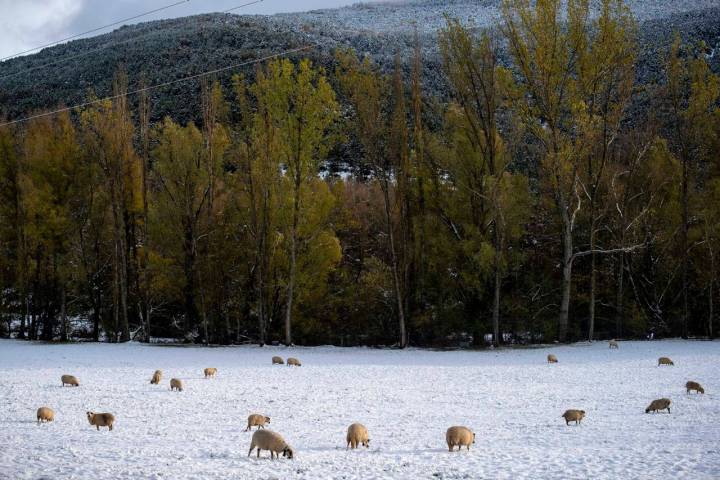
point(551, 197)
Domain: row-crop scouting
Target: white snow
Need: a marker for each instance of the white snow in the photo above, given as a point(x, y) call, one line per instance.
point(510, 397)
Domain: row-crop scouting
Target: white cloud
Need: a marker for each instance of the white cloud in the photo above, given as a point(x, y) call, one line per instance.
point(26, 24)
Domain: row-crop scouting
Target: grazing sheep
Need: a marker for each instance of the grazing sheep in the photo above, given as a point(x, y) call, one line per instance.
point(460, 437)
point(573, 416)
point(659, 404)
point(665, 361)
point(267, 440)
point(70, 380)
point(101, 420)
point(694, 386)
point(277, 361)
point(175, 383)
point(551, 358)
point(357, 434)
point(210, 372)
point(157, 376)
point(293, 361)
point(45, 414)
point(613, 344)
point(258, 420)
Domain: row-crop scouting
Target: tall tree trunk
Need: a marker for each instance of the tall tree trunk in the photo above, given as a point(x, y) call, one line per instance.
point(144, 108)
point(293, 261)
point(63, 315)
point(567, 246)
point(620, 297)
point(496, 304)
point(498, 286)
point(591, 315)
point(711, 288)
point(684, 247)
point(396, 276)
point(189, 272)
point(96, 319)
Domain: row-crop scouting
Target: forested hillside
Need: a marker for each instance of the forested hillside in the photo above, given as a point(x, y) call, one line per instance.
point(433, 183)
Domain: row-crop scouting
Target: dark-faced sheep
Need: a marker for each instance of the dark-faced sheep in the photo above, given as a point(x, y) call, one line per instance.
point(176, 384)
point(357, 434)
point(157, 376)
point(257, 420)
point(267, 440)
point(101, 420)
point(659, 404)
point(277, 361)
point(694, 386)
point(573, 416)
point(665, 361)
point(69, 380)
point(552, 358)
point(459, 437)
point(45, 414)
point(293, 362)
point(210, 372)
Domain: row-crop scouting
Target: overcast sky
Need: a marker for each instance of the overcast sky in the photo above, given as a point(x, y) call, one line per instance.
point(25, 24)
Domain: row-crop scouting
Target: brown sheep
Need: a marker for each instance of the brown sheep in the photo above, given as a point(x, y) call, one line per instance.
point(176, 384)
point(357, 434)
point(267, 440)
point(613, 344)
point(277, 361)
point(665, 361)
point(460, 437)
point(573, 416)
point(258, 420)
point(69, 380)
point(157, 376)
point(694, 386)
point(210, 372)
point(101, 420)
point(659, 404)
point(552, 358)
point(45, 414)
point(293, 361)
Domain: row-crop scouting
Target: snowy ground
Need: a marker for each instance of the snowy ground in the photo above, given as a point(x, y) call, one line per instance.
point(511, 398)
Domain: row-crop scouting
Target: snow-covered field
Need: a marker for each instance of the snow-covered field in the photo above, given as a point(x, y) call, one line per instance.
point(511, 398)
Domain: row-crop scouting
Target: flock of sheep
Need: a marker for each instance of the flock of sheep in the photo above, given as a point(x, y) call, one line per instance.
point(357, 434)
point(655, 406)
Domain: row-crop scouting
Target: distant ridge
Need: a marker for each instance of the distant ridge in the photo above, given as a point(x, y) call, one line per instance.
point(168, 49)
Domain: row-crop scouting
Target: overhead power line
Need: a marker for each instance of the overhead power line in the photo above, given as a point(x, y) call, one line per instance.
point(160, 85)
point(97, 29)
point(105, 47)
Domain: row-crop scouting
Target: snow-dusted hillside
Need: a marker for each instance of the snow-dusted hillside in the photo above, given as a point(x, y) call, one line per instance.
point(428, 15)
point(511, 398)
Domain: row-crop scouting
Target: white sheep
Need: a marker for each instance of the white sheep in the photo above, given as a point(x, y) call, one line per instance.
point(258, 420)
point(69, 380)
point(268, 440)
point(357, 434)
point(460, 437)
point(45, 414)
point(101, 419)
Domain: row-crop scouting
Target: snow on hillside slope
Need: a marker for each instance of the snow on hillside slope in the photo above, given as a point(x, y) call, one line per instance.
point(511, 398)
